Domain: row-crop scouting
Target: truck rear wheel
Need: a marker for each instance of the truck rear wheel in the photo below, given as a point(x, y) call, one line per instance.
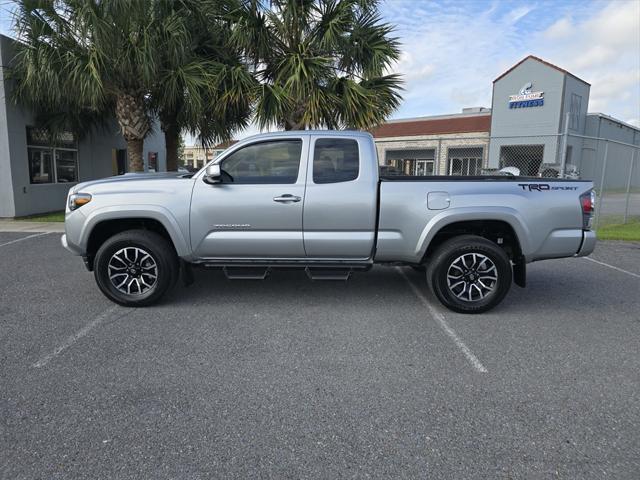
point(469, 274)
point(135, 268)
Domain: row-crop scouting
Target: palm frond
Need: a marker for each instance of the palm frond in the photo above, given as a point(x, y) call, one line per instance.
point(328, 58)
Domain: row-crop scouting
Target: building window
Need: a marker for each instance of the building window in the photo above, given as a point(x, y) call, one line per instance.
point(574, 111)
point(465, 166)
point(465, 161)
point(417, 167)
point(417, 162)
point(40, 165)
point(66, 165)
point(335, 160)
point(51, 161)
point(423, 167)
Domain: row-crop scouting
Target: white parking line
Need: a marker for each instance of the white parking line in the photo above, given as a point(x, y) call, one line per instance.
point(439, 318)
point(75, 337)
point(611, 266)
point(24, 238)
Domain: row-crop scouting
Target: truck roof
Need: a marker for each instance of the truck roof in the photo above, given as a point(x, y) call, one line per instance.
point(325, 133)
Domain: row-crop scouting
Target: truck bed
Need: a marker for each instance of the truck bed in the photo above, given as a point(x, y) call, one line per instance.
point(465, 178)
point(414, 209)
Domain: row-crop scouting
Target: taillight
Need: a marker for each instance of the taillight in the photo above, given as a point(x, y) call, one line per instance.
point(588, 204)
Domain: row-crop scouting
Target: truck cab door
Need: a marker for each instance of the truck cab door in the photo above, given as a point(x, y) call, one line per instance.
point(341, 197)
point(256, 210)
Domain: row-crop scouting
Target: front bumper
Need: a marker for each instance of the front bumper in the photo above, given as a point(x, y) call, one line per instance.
point(588, 243)
point(75, 249)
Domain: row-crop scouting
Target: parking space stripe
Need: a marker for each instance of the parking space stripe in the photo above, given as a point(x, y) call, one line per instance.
point(24, 238)
point(611, 266)
point(439, 318)
point(76, 336)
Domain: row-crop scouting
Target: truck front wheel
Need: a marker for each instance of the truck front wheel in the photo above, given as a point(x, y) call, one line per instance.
point(135, 268)
point(469, 274)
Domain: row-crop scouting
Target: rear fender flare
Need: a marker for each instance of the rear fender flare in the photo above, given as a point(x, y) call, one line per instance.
point(455, 215)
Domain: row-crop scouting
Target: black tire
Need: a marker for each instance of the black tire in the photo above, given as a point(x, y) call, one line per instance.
point(460, 251)
point(161, 254)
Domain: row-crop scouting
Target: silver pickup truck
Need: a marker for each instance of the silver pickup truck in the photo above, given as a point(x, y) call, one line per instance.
point(315, 200)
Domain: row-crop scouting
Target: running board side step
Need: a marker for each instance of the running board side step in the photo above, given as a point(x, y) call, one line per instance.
point(319, 273)
point(259, 270)
point(245, 273)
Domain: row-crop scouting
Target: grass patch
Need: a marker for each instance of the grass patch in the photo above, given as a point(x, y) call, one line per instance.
point(629, 232)
point(47, 217)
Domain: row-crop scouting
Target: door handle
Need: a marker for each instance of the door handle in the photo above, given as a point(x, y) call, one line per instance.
point(286, 198)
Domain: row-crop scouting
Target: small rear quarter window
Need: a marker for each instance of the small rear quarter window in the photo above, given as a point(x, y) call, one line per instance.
point(335, 160)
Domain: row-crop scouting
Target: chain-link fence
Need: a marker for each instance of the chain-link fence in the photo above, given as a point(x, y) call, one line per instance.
point(613, 166)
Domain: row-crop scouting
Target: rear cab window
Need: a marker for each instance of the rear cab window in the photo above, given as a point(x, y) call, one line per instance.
point(335, 160)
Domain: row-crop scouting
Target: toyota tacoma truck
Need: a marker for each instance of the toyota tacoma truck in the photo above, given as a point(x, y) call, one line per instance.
point(315, 200)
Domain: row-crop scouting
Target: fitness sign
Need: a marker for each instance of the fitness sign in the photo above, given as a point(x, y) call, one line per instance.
point(526, 98)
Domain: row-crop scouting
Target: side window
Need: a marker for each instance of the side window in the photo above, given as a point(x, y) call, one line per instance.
point(267, 163)
point(51, 160)
point(335, 160)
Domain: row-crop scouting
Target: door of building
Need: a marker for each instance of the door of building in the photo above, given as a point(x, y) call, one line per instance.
point(119, 161)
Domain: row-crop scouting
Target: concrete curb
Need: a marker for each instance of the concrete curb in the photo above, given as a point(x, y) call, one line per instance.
point(26, 226)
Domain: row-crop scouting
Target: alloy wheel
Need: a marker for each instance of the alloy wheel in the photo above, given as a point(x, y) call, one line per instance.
point(472, 276)
point(133, 271)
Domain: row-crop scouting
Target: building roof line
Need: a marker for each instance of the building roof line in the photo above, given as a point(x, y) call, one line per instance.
point(544, 62)
point(439, 117)
point(614, 119)
point(435, 126)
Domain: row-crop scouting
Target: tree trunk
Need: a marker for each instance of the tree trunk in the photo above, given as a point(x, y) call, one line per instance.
point(135, 148)
point(295, 120)
point(134, 125)
point(171, 134)
point(292, 124)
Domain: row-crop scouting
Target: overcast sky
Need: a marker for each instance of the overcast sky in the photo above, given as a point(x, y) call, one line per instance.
point(452, 49)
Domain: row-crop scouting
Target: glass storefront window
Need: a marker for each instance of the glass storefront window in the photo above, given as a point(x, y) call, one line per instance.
point(40, 165)
point(465, 166)
point(423, 167)
point(465, 160)
point(51, 159)
point(66, 166)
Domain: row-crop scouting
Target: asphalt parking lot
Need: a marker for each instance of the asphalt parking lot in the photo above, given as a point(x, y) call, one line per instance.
point(289, 378)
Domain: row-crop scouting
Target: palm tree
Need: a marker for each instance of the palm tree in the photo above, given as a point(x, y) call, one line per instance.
point(135, 60)
point(78, 57)
point(320, 63)
point(202, 85)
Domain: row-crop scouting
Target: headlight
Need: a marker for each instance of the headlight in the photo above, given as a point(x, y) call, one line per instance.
point(76, 200)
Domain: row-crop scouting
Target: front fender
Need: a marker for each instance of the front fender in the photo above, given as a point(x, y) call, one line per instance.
point(154, 212)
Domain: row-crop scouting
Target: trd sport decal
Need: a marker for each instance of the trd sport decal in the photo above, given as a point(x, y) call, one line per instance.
point(542, 187)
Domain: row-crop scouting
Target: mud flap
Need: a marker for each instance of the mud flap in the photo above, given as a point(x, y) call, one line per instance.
point(520, 273)
point(186, 273)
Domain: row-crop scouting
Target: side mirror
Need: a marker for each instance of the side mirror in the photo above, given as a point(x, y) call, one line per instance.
point(213, 174)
